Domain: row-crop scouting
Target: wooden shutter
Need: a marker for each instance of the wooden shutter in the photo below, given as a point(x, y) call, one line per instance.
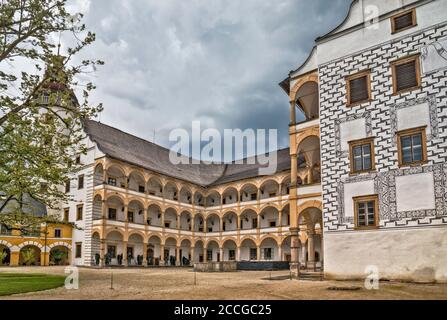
point(359, 89)
point(403, 21)
point(406, 74)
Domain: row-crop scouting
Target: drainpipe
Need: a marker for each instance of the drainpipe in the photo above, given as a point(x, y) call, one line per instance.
point(45, 245)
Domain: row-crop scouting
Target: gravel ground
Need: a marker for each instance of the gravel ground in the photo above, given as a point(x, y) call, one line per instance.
point(178, 284)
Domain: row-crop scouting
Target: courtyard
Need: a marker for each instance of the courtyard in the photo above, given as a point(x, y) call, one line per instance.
point(183, 283)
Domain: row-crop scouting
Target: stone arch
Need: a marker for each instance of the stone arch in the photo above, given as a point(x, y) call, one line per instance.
point(309, 132)
point(59, 244)
point(35, 250)
point(310, 204)
point(208, 241)
point(59, 254)
point(247, 244)
point(136, 232)
point(30, 243)
point(115, 195)
point(229, 248)
point(313, 77)
point(6, 244)
point(111, 230)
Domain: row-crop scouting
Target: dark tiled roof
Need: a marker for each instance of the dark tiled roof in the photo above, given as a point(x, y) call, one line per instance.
point(29, 206)
point(133, 150)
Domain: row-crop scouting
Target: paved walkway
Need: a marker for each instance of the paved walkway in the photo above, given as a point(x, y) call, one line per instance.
point(178, 283)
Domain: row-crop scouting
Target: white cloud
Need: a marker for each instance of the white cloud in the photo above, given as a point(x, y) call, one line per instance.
point(171, 62)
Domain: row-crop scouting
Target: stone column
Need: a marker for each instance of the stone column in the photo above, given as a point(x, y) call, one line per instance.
point(311, 249)
point(280, 219)
point(177, 256)
point(162, 255)
point(258, 253)
point(221, 252)
point(292, 112)
point(192, 223)
point(279, 253)
point(191, 253)
point(145, 216)
point(125, 253)
point(304, 253)
point(145, 254)
point(104, 209)
point(102, 249)
point(205, 254)
point(294, 245)
point(310, 177)
point(238, 253)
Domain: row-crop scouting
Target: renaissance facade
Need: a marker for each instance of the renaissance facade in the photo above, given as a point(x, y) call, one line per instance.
point(362, 187)
point(373, 94)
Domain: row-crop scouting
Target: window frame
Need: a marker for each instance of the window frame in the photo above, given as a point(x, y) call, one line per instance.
point(354, 76)
point(81, 206)
point(362, 199)
point(393, 20)
point(410, 132)
point(56, 231)
point(361, 142)
point(81, 178)
point(109, 213)
point(403, 60)
point(78, 253)
point(66, 214)
point(67, 186)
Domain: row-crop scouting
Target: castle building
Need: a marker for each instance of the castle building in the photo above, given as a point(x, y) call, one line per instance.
point(373, 93)
point(362, 187)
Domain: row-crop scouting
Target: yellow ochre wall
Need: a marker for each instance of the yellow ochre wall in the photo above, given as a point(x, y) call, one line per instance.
point(15, 242)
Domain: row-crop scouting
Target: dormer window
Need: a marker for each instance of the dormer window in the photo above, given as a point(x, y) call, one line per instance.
point(403, 21)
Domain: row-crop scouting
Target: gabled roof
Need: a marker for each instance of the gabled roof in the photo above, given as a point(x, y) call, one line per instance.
point(139, 152)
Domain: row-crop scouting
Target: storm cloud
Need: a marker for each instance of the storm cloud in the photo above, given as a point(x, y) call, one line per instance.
point(171, 62)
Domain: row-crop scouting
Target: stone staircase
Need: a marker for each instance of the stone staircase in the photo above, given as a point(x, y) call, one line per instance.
point(310, 275)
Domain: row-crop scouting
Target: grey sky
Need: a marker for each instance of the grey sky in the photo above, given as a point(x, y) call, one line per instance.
point(171, 62)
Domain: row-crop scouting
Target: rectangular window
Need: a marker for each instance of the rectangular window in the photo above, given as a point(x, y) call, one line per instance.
point(223, 226)
point(272, 194)
point(272, 224)
point(267, 253)
point(111, 251)
point(141, 189)
point(67, 186)
point(130, 216)
point(358, 88)
point(57, 233)
point(167, 224)
point(111, 181)
point(253, 254)
point(66, 214)
point(231, 255)
point(78, 160)
point(209, 255)
point(366, 212)
point(81, 182)
point(112, 214)
point(362, 155)
point(403, 21)
point(79, 212)
point(406, 74)
point(78, 251)
point(412, 146)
